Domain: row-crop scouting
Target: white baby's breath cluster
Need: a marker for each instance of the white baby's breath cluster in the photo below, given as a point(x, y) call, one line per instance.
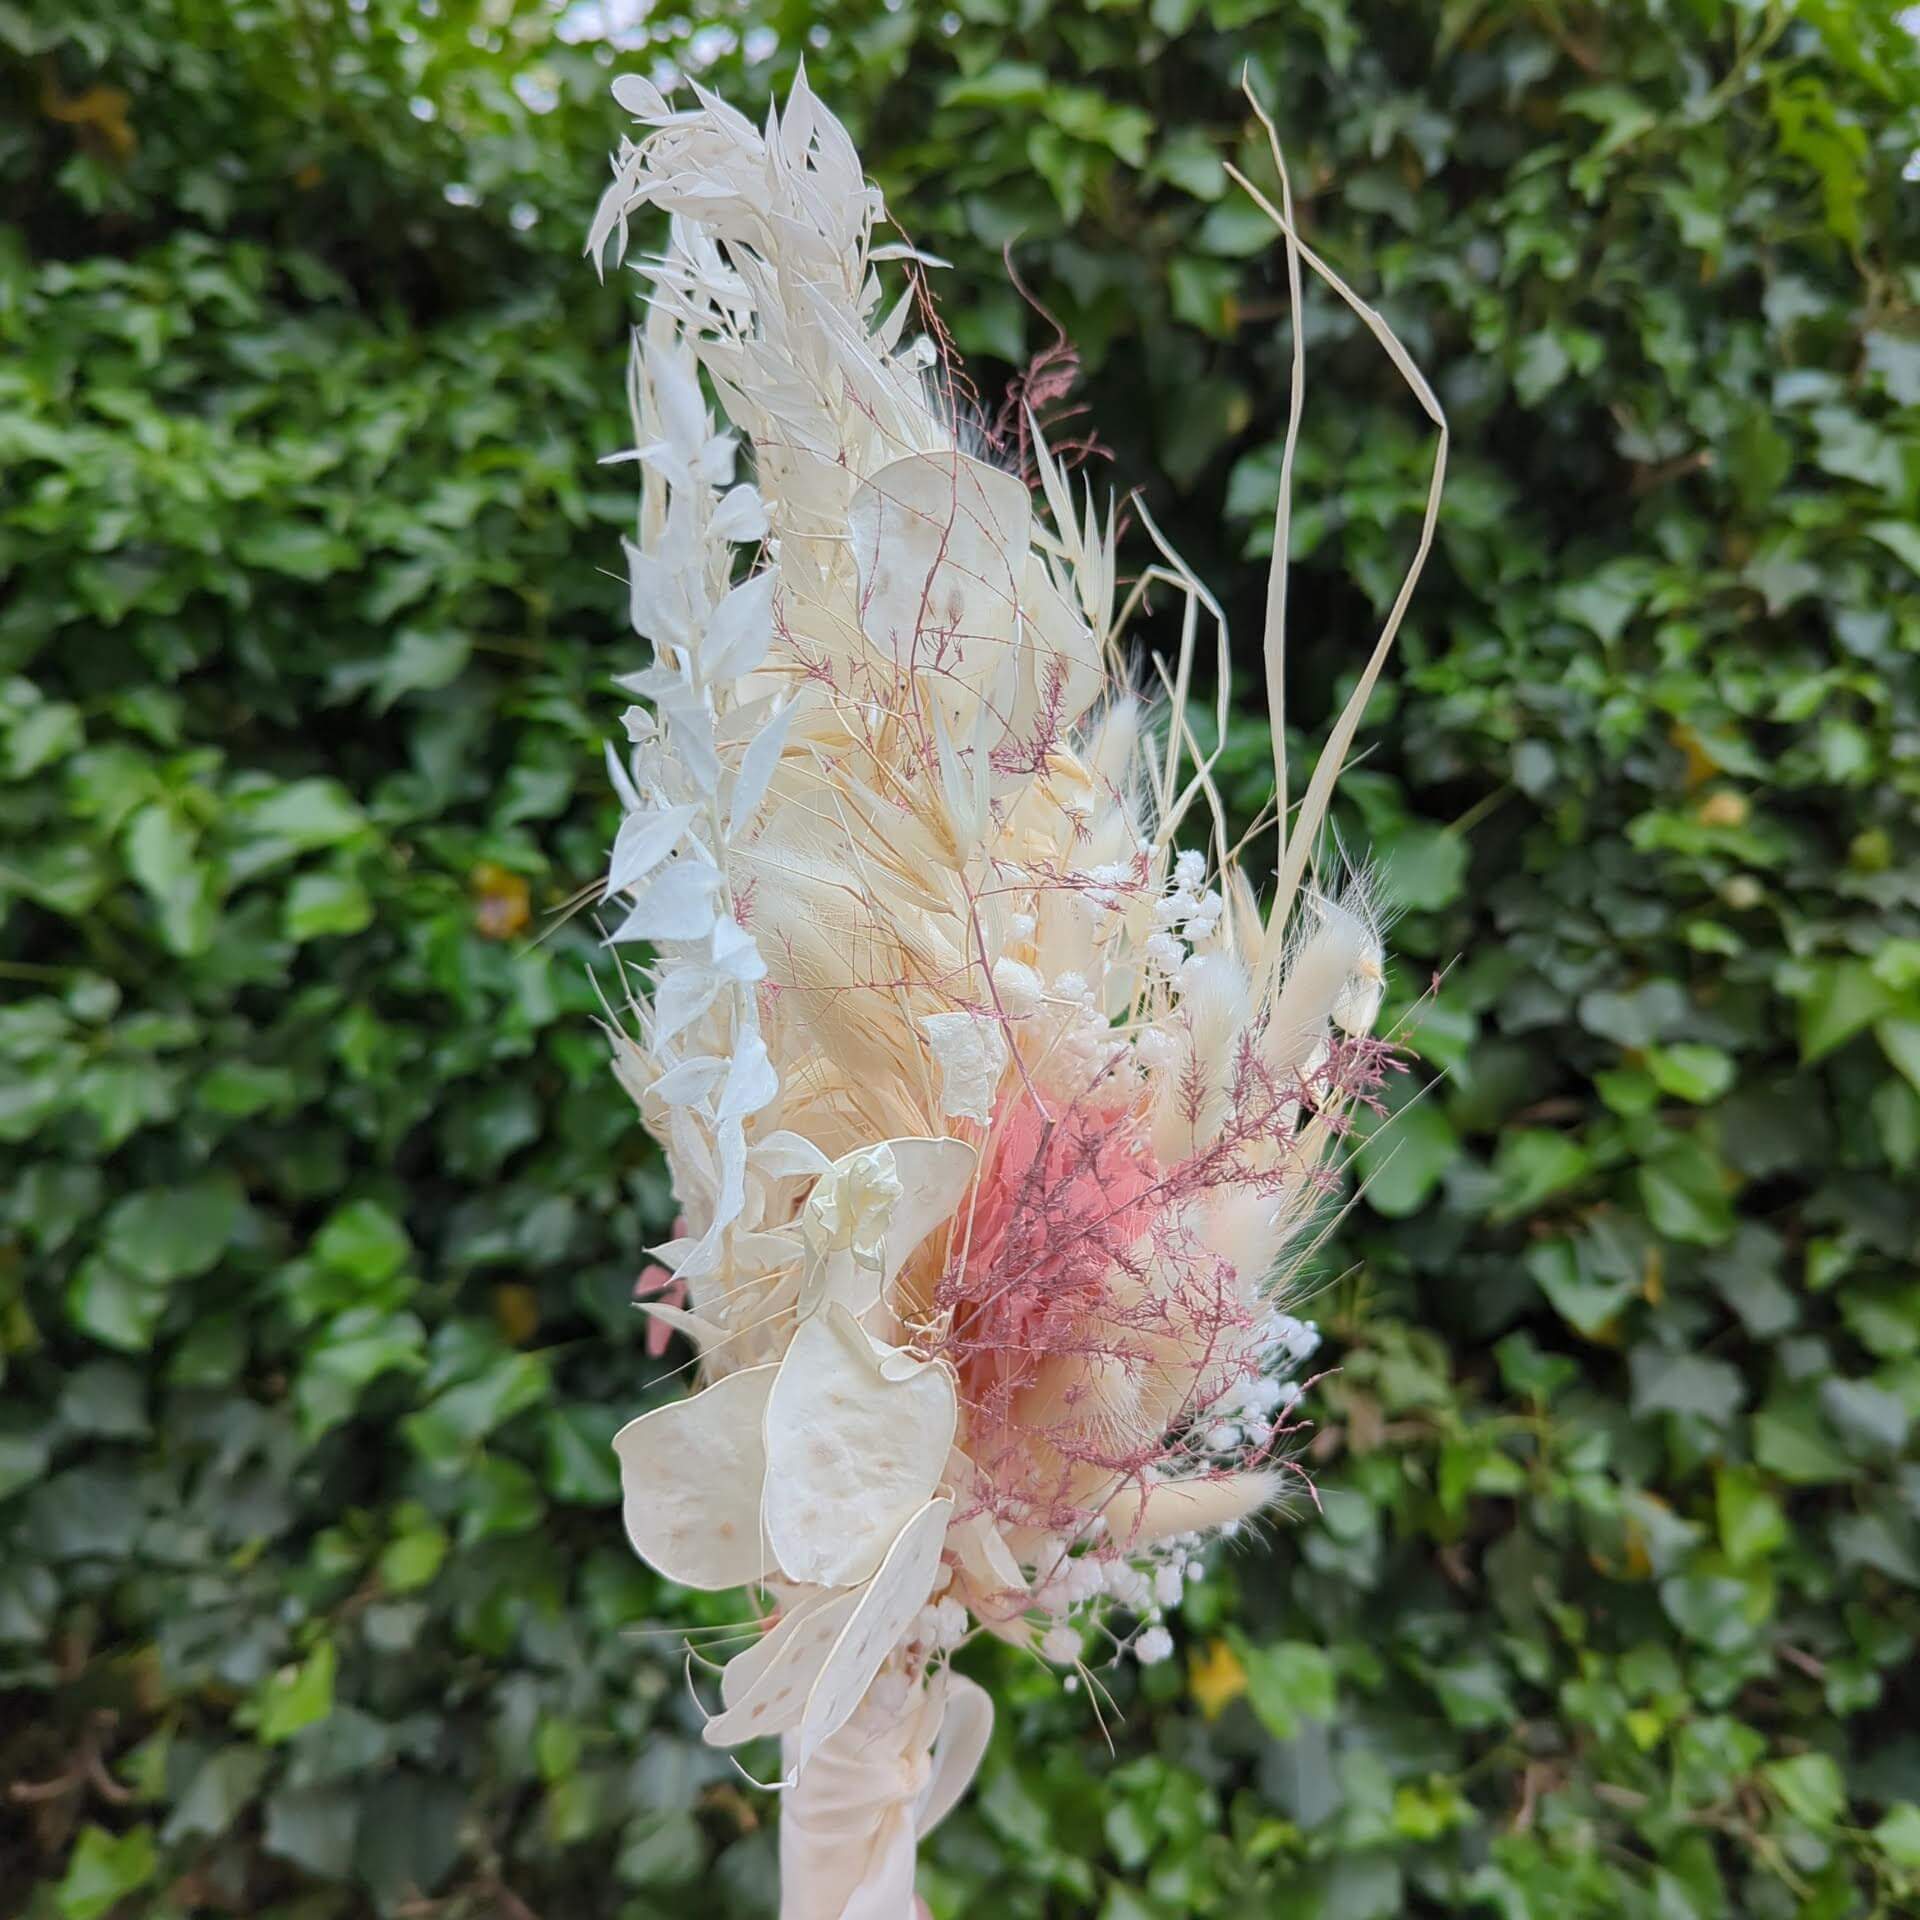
point(999, 1118)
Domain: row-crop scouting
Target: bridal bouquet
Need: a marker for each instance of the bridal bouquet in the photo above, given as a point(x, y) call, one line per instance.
point(998, 1110)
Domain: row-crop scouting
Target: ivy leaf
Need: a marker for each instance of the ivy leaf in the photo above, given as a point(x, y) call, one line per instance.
point(163, 855)
point(1691, 1072)
point(1843, 997)
point(1898, 1835)
point(1530, 1166)
point(104, 1869)
point(1809, 1786)
point(1690, 1383)
point(1401, 1160)
point(1287, 1682)
point(296, 1696)
point(1685, 1190)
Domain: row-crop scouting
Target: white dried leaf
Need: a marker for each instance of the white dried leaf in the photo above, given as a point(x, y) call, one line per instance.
point(765, 1687)
point(936, 541)
point(640, 97)
point(965, 1728)
point(783, 1155)
point(741, 629)
point(691, 1080)
point(622, 780)
point(735, 955)
point(690, 1480)
point(693, 741)
point(676, 392)
point(756, 769)
point(751, 1080)
point(677, 906)
point(886, 1610)
point(644, 840)
point(988, 1560)
point(740, 516)
point(851, 1454)
point(683, 995)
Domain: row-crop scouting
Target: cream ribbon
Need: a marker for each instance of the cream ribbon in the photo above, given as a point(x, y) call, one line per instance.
point(851, 1824)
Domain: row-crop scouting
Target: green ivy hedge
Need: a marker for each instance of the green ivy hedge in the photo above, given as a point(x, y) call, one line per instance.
point(321, 1209)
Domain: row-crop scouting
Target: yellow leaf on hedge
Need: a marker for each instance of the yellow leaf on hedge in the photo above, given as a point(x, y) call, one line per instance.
point(1216, 1678)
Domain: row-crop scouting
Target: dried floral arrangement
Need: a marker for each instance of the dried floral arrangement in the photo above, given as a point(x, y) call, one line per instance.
point(1002, 1120)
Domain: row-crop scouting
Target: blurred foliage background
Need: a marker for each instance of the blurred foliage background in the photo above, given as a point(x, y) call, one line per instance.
point(321, 1209)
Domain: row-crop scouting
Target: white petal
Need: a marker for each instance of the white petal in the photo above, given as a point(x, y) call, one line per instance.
point(690, 1478)
point(703, 1333)
point(934, 1177)
point(851, 1455)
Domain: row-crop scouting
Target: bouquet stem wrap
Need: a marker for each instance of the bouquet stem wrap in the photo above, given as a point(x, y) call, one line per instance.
point(1000, 1113)
point(854, 1818)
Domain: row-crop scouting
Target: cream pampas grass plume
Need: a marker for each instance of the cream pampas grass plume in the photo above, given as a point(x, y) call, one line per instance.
point(999, 1123)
